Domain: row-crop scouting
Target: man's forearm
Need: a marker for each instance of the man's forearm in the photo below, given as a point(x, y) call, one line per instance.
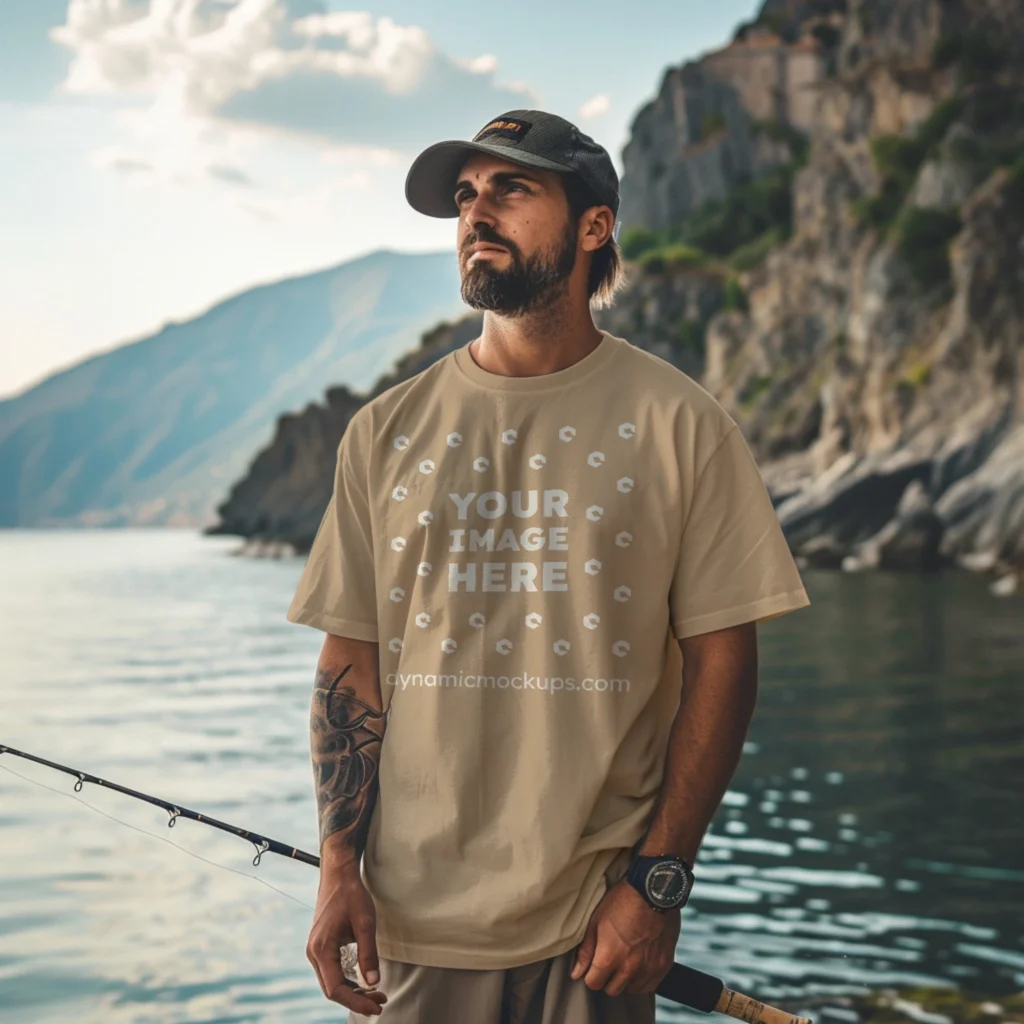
point(706, 741)
point(346, 732)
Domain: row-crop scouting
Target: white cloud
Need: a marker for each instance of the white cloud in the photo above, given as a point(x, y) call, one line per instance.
point(595, 106)
point(233, 175)
point(481, 65)
point(280, 64)
point(115, 159)
point(186, 54)
point(181, 149)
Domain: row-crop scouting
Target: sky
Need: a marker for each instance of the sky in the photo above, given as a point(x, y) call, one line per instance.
point(160, 155)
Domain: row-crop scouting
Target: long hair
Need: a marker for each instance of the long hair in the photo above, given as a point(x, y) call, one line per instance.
point(607, 271)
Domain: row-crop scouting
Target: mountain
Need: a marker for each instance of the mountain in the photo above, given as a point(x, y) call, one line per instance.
point(824, 223)
point(152, 432)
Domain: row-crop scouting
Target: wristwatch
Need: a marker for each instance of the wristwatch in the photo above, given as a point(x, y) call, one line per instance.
point(664, 882)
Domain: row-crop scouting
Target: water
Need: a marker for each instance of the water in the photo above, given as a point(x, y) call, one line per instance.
point(873, 834)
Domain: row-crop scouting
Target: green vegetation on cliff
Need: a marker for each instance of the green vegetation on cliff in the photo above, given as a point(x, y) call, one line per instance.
point(734, 233)
point(922, 233)
point(898, 159)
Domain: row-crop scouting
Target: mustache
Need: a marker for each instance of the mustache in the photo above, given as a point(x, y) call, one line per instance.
point(486, 234)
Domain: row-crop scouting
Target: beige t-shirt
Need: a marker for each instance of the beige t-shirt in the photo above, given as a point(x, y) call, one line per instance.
point(526, 550)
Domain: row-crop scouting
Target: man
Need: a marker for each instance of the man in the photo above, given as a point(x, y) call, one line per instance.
point(540, 574)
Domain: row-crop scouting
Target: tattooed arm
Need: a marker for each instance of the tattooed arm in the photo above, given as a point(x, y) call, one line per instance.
point(346, 726)
point(346, 732)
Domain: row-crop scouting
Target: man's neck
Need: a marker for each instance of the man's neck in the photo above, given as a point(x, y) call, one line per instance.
point(536, 343)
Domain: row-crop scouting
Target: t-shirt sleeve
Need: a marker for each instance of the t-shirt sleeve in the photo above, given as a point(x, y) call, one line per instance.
point(734, 564)
point(337, 590)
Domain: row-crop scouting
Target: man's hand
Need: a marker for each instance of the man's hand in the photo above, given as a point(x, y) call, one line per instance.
point(628, 946)
point(345, 913)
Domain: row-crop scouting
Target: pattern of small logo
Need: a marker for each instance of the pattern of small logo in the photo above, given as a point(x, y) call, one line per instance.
point(593, 566)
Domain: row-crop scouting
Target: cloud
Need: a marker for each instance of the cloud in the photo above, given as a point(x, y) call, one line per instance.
point(343, 76)
point(124, 164)
point(595, 106)
point(232, 175)
point(183, 150)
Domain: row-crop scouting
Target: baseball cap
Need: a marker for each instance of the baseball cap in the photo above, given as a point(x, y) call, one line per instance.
point(533, 138)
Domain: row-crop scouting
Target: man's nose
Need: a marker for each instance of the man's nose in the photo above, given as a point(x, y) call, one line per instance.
point(480, 211)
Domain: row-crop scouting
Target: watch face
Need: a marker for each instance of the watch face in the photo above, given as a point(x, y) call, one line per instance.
point(666, 885)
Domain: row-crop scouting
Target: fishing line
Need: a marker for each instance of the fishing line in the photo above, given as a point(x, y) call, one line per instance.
point(164, 839)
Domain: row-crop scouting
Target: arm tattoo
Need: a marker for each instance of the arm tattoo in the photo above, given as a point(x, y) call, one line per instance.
point(345, 739)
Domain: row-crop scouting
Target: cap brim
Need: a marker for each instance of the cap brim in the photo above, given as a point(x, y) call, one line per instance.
point(430, 183)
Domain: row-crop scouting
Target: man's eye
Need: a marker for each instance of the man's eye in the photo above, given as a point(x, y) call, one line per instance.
point(461, 197)
point(516, 185)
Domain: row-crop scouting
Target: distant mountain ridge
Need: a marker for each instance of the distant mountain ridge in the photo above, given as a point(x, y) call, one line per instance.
point(153, 432)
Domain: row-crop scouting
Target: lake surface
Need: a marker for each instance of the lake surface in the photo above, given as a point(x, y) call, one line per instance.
point(873, 835)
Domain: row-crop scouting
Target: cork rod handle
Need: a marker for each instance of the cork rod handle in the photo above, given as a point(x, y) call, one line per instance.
point(735, 1004)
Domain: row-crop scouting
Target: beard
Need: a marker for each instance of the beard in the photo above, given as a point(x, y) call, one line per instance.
point(529, 284)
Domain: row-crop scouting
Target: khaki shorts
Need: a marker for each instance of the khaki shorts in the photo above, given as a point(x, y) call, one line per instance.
point(538, 993)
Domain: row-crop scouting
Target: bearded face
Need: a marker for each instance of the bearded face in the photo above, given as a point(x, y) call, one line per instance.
point(526, 283)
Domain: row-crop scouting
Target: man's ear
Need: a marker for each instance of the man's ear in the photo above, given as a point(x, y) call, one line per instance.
point(596, 227)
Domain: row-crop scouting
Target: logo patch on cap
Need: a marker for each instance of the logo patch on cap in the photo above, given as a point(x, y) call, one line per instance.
point(514, 130)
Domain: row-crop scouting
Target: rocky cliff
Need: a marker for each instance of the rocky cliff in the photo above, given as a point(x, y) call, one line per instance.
point(825, 221)
point(714, 123)
point(877, 366)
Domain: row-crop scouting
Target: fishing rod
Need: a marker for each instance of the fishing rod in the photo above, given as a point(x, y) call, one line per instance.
point(682, 984)
point(262, 843)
